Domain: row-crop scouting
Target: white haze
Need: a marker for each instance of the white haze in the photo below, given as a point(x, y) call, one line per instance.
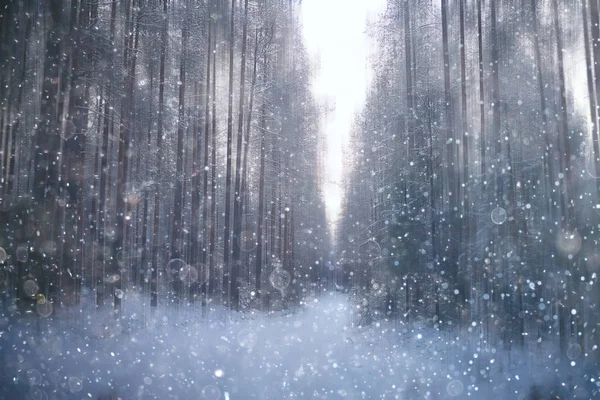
point(335, 34)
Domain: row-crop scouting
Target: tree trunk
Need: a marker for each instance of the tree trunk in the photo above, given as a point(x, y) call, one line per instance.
point(496, 107)
point(409, 83)
point(213, 282)
point(227, 231)
point(592, 96)
point(568, 224)
point(238, 200)
point(122, 208)
point(451, 164)
point(481, 96)
point(205, 199)
point(176, 233)
point(595, 25)
point(467, 221)
point(159, 135)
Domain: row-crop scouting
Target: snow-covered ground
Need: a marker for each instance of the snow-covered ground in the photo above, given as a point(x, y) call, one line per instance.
point(313, 353)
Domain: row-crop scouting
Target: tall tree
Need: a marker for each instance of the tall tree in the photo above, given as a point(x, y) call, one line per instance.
point(176, 235)
point(593, 104)
point(464, 187)
point(238, 200)
point(482, 155)
point(159, 161)
point(227, 268)
point(205, 198)
point(451, 164)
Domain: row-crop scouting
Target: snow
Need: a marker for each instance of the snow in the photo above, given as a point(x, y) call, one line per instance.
point(317, 351)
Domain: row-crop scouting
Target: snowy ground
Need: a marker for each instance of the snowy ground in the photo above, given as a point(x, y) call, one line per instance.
point(313, 353)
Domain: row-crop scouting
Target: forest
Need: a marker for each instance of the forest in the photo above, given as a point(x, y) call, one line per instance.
point(164, 232)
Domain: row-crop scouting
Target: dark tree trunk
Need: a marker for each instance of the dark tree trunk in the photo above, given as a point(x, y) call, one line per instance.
point(409, 83)
point(213, 283)
point(568, 224)
point(176, 233)
point(589, 63)
point(159, 134)
point(481, 96)
point(126, 123)
point(238, 200)
point(205, 199)
point(466, 221)
point(227, 228)
point(496, 107)
point(451, 164)
point(244, 188)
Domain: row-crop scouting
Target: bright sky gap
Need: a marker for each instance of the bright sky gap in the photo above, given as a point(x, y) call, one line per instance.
point(340, 47)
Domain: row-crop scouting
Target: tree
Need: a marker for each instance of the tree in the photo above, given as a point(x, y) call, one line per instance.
point(227, 274)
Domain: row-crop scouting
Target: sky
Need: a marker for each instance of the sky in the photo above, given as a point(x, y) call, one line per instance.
point(335, 35)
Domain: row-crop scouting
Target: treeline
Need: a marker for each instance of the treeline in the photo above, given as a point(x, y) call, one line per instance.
point(165, 149)
point(473, 197)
